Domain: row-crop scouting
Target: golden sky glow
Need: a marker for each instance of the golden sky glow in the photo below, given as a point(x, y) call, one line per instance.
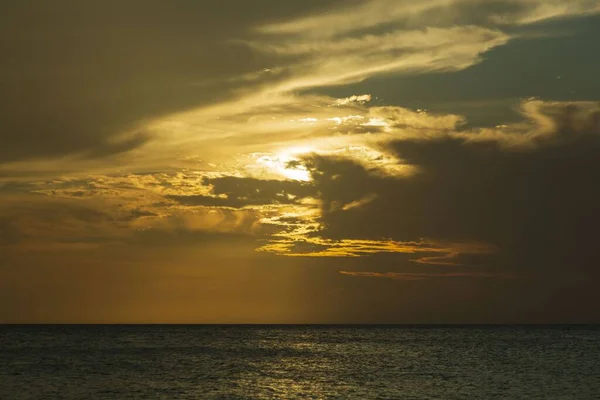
point(210, 163)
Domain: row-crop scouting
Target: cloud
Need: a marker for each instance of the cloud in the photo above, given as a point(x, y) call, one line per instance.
point(102, 211)
point(342, 60)
point(398, 117)
point(240, 192)
point(296, 243)
point(450, 199)
point(113, 148)
point(108, 75)
point(28, 224)
point(430, 189)
point(51, 223)
point(528, 190)
point(278, 106)
point(408, 276)
point(78, 78)
point(540, 10)
point(359, 203)
point(364, 16)
point(448, 259)
point(363, 98)
point(353, 18)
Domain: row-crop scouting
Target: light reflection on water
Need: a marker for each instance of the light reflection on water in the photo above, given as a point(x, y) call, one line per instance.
point(199, 362)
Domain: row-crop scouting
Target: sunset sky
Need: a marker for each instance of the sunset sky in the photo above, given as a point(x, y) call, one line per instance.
point(301, 161)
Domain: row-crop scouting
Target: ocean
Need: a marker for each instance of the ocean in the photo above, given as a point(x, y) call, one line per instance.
point(299, 362)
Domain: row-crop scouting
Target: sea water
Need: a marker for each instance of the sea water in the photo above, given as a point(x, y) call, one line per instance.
point(305, 362)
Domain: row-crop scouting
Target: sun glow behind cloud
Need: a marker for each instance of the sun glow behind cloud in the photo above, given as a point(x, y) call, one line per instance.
point(286, 163)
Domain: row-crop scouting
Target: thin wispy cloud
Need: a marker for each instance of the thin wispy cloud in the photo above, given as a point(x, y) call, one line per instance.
point(408, 276)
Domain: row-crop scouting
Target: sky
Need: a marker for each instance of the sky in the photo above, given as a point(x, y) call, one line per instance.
point(267, 161)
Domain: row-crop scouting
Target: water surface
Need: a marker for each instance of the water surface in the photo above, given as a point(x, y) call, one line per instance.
point(261, 362)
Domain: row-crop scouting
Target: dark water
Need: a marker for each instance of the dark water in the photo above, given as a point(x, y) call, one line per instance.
point(261, 362)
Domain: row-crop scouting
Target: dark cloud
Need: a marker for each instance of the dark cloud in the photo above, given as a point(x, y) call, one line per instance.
point(240, 192)
point(140, 213)
point(108, 148)
point(538, 203)
point(35, 223)
point(76, 75)
point(209, 201)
